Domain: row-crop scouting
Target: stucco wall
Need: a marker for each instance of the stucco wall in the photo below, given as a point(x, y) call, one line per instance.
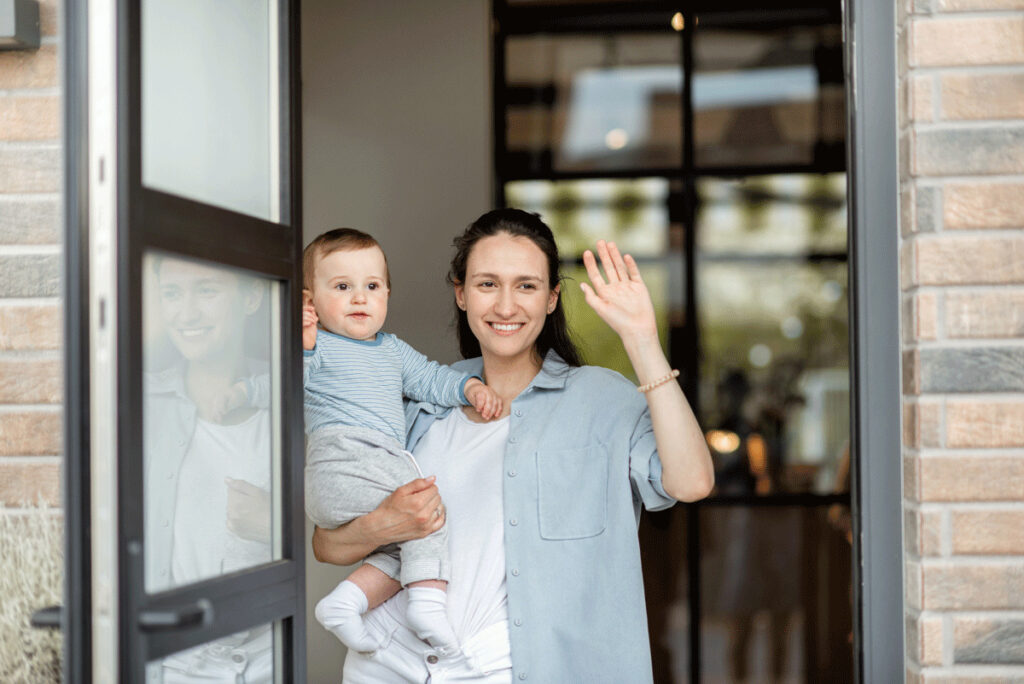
point(961, 79)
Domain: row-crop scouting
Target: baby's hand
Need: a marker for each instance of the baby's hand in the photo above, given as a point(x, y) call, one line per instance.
point(485, 400)
point(235, 397)
point(309, 320)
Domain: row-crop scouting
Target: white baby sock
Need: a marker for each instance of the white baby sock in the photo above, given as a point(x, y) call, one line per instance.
point(428, 616)
point(341, 612)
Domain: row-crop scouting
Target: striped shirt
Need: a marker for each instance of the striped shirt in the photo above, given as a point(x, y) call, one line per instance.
point(361, 383)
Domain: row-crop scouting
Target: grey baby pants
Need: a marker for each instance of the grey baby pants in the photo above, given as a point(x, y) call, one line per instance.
point(349, 471)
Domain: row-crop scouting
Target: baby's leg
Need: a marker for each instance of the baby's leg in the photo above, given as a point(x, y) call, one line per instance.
point(341, 611)
point(428, 614)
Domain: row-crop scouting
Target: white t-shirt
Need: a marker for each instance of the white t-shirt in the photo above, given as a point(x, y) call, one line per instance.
point(467, 459)
point(203, 546)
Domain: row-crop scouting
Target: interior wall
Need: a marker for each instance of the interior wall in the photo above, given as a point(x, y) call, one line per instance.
point(396, 142)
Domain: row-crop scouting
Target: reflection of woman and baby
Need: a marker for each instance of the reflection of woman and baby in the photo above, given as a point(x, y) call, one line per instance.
point(536, 575)
point(207, 452)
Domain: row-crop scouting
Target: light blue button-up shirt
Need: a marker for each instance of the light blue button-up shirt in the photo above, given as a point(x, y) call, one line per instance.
point(580, 462)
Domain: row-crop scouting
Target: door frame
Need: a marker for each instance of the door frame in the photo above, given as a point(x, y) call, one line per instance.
point(109, 220)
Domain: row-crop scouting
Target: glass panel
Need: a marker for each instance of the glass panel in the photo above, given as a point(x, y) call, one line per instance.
point(249, 656)
point(775, 594)
point(764, 97)
point(209, 102)
point(210, 454)
point(772, 296)
point(634, 213)
point(589, 103)
point(664, 546)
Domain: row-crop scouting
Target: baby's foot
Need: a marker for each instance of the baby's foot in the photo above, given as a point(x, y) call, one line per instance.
point(341, 612)
point(428, 616)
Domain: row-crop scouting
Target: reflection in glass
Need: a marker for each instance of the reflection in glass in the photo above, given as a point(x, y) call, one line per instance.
point(208, 459)
point(246, 657)
point(768, 97)
point(579, 103)
point(775, 595)
point(209, 102)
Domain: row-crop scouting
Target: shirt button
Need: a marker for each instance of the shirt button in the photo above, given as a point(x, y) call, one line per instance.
point(512, 440)
point(432, 659)
point(167, 523)
point(522, 675)
point(511, 473)
point(519, 623)
point(518, 412)
point(515, 572)
point(513, 522)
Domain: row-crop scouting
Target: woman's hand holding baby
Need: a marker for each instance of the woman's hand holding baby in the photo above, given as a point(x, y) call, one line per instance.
point(485, 400)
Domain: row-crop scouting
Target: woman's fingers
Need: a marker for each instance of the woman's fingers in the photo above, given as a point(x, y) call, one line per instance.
point(620, 266)
point(608, 263)
point(632, 269)
point(590, 263)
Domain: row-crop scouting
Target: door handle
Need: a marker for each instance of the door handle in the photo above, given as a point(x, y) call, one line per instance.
point(47, 617)
point(183, 617)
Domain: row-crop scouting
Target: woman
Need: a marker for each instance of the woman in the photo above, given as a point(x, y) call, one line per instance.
point(546, 580)
point(207, 464)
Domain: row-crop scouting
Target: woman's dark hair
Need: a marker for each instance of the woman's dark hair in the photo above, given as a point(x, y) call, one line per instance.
point(517, 223)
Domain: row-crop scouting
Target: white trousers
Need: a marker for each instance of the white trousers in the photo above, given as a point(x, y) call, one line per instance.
point(405, 659)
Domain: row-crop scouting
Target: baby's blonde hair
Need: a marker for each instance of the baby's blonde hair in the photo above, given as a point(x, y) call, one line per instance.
point(334, 241)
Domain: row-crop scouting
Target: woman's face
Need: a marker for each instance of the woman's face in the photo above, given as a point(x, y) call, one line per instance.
point(506, 296)
point(203, 308)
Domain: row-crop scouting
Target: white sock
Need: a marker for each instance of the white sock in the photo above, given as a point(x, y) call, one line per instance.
point(428, 616)
point(341, 612)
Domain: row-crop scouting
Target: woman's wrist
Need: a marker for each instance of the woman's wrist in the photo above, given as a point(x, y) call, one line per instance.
point(647, 357)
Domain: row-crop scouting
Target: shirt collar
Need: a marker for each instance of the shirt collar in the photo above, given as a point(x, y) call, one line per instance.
point(553, 372)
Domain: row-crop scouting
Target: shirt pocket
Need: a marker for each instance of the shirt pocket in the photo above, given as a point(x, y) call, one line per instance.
point(572, 492)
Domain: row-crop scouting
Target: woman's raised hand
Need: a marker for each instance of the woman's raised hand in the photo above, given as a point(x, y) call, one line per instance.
point(622, 301)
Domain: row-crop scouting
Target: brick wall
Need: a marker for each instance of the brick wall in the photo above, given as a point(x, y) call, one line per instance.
point(961, 79)
point(30, 265)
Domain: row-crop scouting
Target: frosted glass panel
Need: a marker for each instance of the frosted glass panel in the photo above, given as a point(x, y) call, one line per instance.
point(209, 102)
point(248, 656)
point(210, 460)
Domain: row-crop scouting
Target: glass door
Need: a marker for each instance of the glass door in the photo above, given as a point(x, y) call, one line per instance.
point(193, 484)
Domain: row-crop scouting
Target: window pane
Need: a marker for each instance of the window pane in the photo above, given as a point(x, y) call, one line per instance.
point(210, 457)
point(775, 594)
point(589, 103)
point(209, 102)
point(764, 97)
point(249, 656)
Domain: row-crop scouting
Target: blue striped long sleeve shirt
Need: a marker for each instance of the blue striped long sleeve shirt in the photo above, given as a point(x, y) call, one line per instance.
point(361, 383)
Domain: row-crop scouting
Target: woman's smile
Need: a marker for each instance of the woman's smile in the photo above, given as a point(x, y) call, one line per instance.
point(506, 328)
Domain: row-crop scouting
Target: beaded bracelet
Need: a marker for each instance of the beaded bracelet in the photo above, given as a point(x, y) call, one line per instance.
point(660, 381)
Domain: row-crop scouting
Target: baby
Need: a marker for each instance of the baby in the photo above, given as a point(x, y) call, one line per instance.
point(355, 377)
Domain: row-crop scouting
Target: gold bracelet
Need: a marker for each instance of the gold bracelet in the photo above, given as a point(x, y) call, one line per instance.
point(660, 381)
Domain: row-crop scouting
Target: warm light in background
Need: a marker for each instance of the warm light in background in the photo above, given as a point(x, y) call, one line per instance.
point(723, 441)
point(616, 139)
point(677, 21)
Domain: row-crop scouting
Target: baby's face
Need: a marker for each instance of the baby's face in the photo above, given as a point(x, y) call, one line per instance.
point(350, 292)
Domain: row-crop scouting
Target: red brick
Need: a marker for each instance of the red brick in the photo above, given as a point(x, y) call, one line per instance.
point(920, 98)
point(997, 313)
point(30, 327)
point(967, 260)
point(30, 433)
point(984, 205)
point(29, 118)
point(969, 478)
point(29, 69)
point(985, 424)
point(966, 41)
point(988, 532)
point(920, 317)
point(972, 587)
point(977, 5)
point(48, 16)
point(30, 381)
point(911, 368)
point(983, 96)
point(923, 532)
point(29, 483)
